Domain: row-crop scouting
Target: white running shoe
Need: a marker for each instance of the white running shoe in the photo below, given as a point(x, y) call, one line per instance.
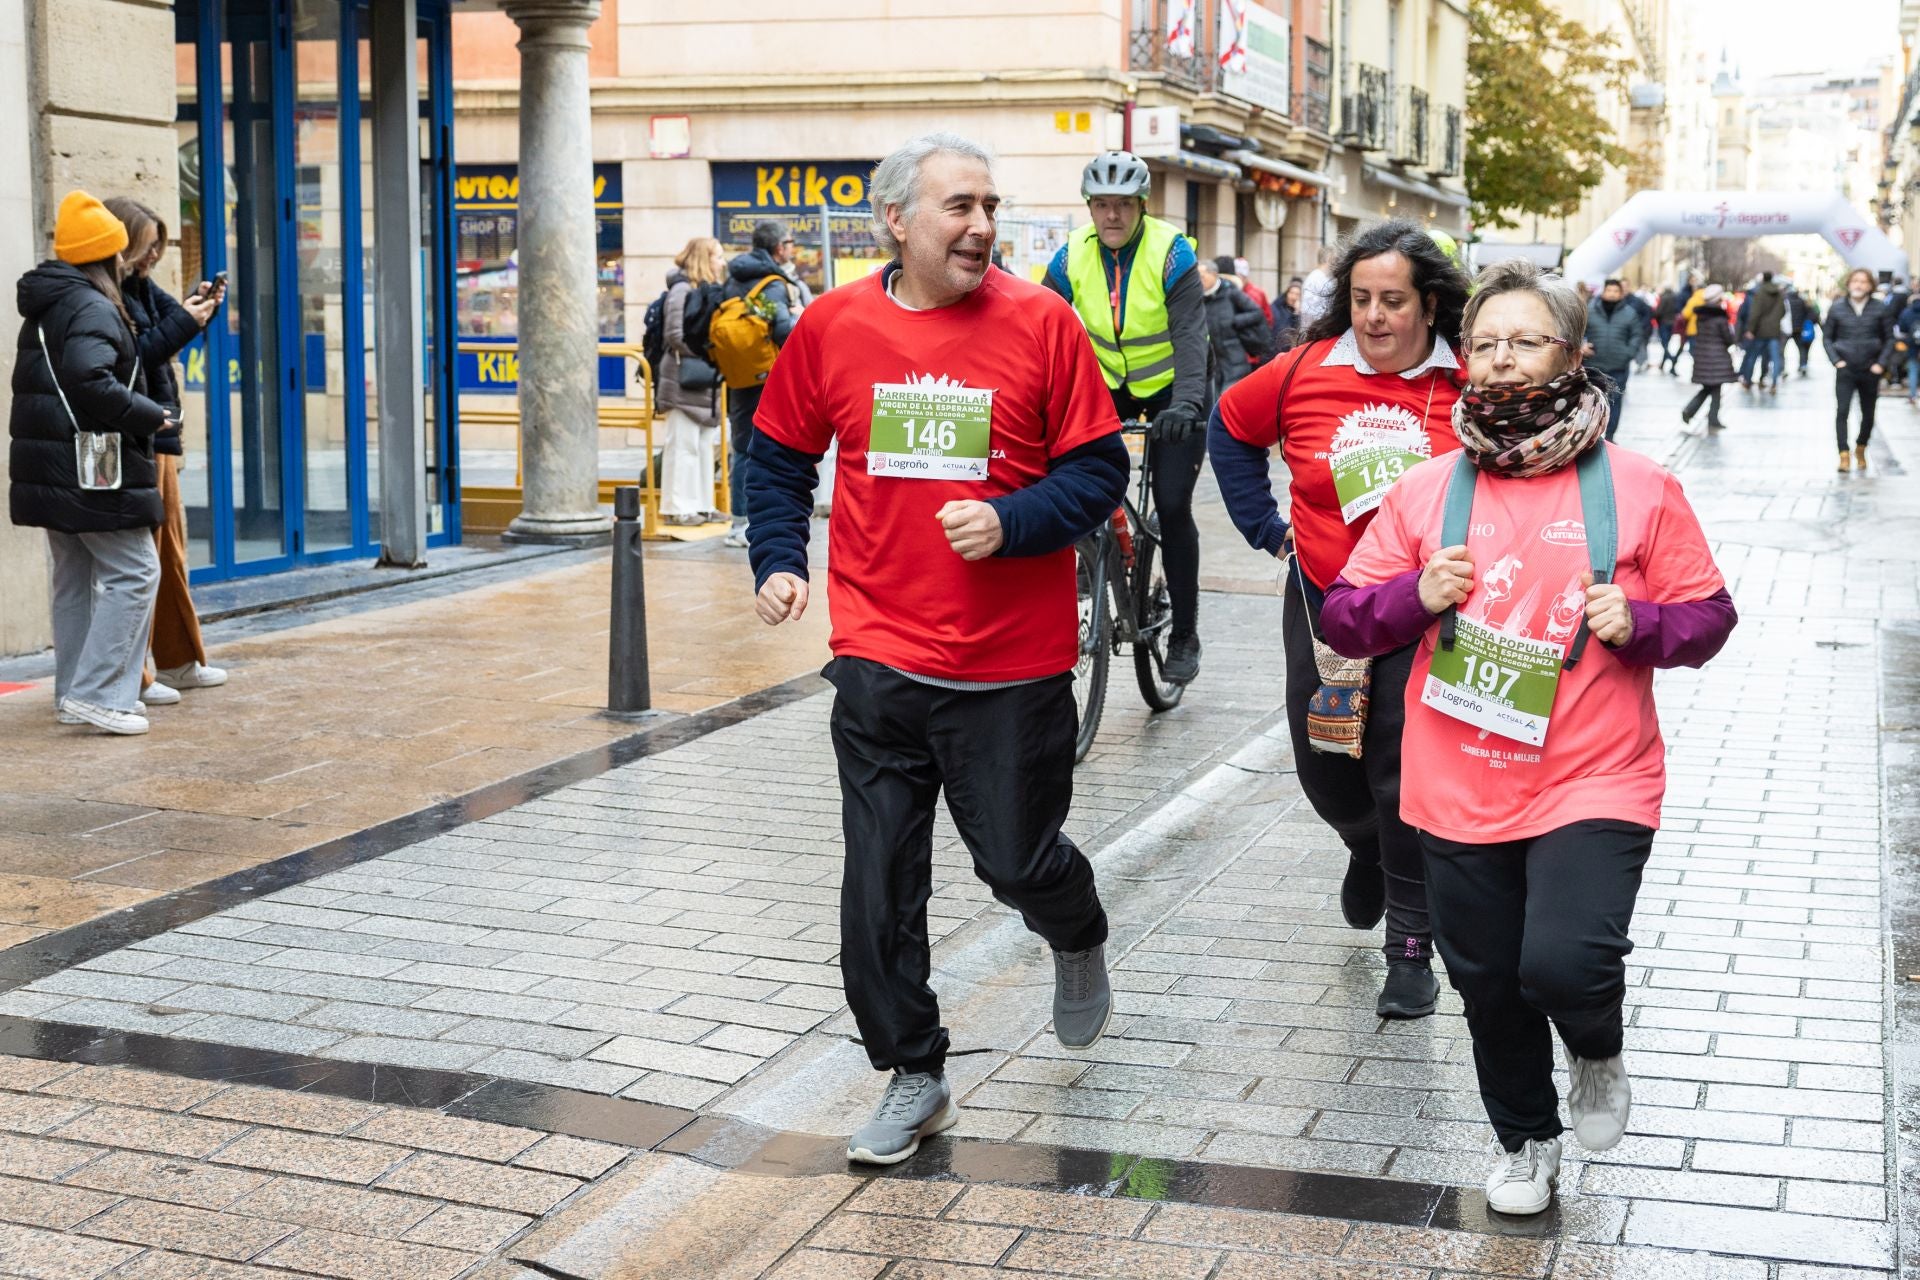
point(191, 676)
point(128, 723)
point(1599, 1100)
point(1521, 1182)
point(159, 695)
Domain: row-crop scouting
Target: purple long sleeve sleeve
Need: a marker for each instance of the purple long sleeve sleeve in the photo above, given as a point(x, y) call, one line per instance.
point(1365, 622)
point(1683, 634)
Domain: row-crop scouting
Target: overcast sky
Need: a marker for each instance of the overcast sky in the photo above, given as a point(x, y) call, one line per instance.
point(1775, 37)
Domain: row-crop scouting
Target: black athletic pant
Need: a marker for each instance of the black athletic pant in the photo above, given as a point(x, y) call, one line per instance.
point(1176, 469)
point(1360, 799)
point(1535, 932)
point(1854, 380)
point(1806, 352)
point(1707, 396)
point(1005, 759)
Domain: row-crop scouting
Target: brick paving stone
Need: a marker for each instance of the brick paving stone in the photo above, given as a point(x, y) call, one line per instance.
point(1063, 1255)
point(818, 1264)
point(133, 1088)
point(464, 1227)
point(450, 1134)
point(1253, 1266)
point(41, 1158)
point(1577, 1261)
point(914, 1238)
point(31, 1073)
point(48, 1255)
point(1237, 1229)
point(1012, 1206)
point(1449, 1250)
point(332, 1206)
point(312, 1155)
point(26, 1113)
point(475, 1182)
point(171, 1226)
point(905, 1198)
point(351, 1257)
point(41, 1204)
point(576, 1157)
point(167, 1179)
point(174, 1135)
point(159, 1264)
point(286, 1109)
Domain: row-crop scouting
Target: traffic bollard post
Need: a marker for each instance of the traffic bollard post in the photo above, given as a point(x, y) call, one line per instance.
point(628, 689)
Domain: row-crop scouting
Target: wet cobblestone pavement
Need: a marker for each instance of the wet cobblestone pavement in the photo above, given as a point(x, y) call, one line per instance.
point(616, 1013)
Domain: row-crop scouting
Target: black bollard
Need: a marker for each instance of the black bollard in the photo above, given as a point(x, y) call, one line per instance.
point(628, 689)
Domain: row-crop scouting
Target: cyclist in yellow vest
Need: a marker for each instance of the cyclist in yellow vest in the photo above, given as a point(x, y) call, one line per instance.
point(1133, 280)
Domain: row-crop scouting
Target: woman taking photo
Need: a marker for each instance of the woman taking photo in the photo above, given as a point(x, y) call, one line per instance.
point(1541, 764)
point(688, 386)
point(163, 328)
point(1367, 394)
point(1859, 338)
point(82, 464)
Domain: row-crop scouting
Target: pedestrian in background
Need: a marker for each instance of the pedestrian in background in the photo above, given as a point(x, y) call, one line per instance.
point(1712, 347)
point(1286, 319)
point(1859, 340)
point(163, 328)
point(1616, 337)
point(1666, 315)
point(1240, 272)
point(1535, 847)
point(1909, 324)
point(82, 466)
point(1234, 324)
point(688, 388)
point(766, 264)
point(1765, 312)
point(1804, 314)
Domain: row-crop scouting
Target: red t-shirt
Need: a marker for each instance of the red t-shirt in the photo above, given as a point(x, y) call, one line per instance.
point(900, 595)
point(1603, 756)
point(1321, 402)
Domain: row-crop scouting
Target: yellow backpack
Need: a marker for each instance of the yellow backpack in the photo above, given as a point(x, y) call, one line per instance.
point(740, 341)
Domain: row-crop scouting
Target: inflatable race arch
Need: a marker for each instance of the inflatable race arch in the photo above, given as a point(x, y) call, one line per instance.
point(1734, 215)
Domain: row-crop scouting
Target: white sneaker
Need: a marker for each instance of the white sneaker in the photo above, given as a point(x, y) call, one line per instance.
point(159, 695)
point(1599, 1100)
point(736, 536)
point(129, 723)
point(192, 676)
point(63, 716)
point(1521, 1182)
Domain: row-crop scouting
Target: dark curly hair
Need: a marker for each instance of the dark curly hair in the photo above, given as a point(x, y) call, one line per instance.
point(1435, 278)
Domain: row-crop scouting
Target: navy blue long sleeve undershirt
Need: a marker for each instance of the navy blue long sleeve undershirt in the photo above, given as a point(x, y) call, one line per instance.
point(1246, 487)
point(1082, 487)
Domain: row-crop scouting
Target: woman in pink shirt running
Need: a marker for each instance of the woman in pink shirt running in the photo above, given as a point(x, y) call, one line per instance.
point(1535, 764)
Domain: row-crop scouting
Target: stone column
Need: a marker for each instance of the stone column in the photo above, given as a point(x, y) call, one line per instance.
point(399, 286)
point(559, 326)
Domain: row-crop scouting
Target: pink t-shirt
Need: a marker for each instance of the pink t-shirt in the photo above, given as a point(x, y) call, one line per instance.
point(1603, 756)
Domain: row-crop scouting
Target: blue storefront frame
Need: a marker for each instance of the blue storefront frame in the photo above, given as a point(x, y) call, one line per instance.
point(204, 24)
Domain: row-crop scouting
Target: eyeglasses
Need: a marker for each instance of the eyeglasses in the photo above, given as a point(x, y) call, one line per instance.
point(1520, 344)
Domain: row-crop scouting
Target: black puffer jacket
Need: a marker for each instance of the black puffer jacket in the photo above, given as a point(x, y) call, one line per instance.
point(99, 369)
point(1238, 332)
point(1859, 340)
point(164, 330)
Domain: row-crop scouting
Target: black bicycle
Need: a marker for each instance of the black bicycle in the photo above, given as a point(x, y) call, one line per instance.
point(1123, 599)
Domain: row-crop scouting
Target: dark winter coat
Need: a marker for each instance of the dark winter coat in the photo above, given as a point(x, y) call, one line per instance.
point(1859, 340)
point(1766, 308)
point(1801, 309)
point(1617, 339)
point(1671, 302)
point(164, 329)
point(1712, 361)
point(98, 366)
point(1286, 327)
point(1238, 332)
point(698, 405)
point(748, 270)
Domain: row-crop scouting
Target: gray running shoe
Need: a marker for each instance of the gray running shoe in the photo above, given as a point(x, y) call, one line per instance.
point(1599, 1101)
point(916, 1105)
point(1082, 999)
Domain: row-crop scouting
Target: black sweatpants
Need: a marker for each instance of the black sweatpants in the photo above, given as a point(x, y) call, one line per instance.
point(1535, 932)
point(1360, 799)
point(1854, 380)
point(1176, 469)
point(1005, 760)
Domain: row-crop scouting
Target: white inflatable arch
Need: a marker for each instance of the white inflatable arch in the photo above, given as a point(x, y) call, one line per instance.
point(1733, 215)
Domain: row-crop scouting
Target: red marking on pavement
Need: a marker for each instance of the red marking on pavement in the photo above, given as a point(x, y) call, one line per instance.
point(6, 689)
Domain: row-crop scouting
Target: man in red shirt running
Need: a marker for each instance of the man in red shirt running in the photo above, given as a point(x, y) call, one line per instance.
point(976, 444)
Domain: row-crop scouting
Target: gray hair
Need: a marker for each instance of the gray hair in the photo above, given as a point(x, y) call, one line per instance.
point(1517, 275)
point(896, 180)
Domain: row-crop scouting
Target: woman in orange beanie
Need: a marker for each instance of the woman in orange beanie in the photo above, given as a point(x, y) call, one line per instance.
point(83, 468)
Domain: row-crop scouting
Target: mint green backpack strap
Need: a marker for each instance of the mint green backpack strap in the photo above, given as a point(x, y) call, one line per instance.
point(1602, 519)
point(1454, 519)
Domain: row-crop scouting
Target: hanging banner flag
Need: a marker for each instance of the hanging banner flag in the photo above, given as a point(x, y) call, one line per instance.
point(1180, 22)
point(1233, 36)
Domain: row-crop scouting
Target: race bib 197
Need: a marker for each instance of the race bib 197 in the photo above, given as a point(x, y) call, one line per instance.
point(1493, 681)
point(1373, 447)
point(930, 431)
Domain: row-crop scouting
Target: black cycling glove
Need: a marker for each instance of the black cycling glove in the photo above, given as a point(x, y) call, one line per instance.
point(1175, 423)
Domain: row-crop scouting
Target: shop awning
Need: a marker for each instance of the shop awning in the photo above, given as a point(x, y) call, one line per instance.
point(1279, 168)
point(1194, 162)
point(1425, 190)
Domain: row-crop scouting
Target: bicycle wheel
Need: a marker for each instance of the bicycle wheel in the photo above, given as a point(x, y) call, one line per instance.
point(1096, 640)
point(1153, 614)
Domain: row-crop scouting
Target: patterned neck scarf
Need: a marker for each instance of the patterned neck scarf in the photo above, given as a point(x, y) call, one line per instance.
point(1523, 431)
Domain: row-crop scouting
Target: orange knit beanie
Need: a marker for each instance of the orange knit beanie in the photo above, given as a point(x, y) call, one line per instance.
point(84, 231)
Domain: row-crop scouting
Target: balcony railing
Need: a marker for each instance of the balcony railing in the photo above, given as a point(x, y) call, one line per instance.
point(1453, 151)
point(1313, 103)
point(1413, 137)
point(1364, 112)
point(1147, 50)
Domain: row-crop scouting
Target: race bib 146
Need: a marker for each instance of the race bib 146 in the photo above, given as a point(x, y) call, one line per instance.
point(930, 431)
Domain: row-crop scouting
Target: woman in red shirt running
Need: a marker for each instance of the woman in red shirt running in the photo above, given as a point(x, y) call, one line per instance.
point(1367, 394)
point(1541, 766)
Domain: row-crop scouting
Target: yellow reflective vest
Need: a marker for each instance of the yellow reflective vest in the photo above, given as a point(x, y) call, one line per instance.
point(1139, 355)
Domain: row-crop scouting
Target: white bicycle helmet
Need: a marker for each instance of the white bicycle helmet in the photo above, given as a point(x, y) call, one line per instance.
point(1115, 173)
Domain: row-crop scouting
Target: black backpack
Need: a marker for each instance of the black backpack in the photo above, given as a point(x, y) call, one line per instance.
point(695, 321)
